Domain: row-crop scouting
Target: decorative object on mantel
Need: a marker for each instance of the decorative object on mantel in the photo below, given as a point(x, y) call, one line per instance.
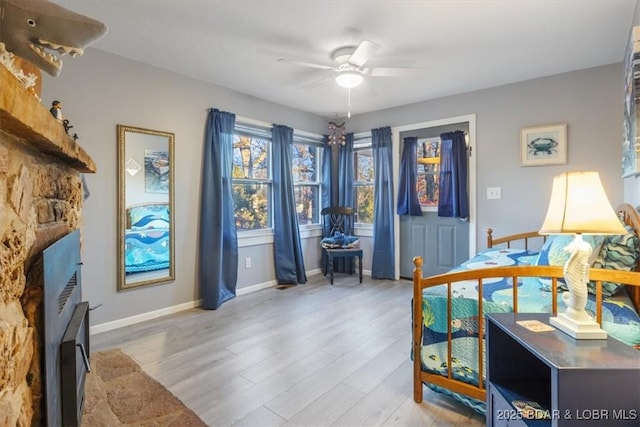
point(56, 111)
point(35, 29)
point(67, 126)
point(22, 114)
point(9, 61)
point(579, 205)
point(543, 145)
point(337, 134)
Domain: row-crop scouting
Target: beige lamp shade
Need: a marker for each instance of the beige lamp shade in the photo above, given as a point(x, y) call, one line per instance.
point(579, 205)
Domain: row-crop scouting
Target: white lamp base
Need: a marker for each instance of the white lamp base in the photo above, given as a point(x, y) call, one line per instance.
point(578, 329)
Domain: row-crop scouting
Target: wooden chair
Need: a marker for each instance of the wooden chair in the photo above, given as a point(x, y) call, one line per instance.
point(339, 220)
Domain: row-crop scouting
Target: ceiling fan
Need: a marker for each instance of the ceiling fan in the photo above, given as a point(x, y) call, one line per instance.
point(349, 65)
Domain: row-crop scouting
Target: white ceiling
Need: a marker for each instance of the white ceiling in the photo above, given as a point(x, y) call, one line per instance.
point(462, 45)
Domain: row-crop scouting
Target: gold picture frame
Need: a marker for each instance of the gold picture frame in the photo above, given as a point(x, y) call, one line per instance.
point(543, 145)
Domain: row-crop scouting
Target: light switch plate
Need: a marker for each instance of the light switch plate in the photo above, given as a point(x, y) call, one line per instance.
point(494, 193)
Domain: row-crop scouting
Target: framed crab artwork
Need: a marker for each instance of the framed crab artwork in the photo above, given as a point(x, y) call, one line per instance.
point(543, 145)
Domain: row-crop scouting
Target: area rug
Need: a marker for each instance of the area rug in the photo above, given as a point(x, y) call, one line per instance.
point(119, 393)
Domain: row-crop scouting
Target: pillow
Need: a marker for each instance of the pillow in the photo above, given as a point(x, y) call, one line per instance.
point(619, 252)
point(149, 216)
point(553, 253)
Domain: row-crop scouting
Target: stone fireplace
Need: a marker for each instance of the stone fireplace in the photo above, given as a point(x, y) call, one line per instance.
point(40, 201)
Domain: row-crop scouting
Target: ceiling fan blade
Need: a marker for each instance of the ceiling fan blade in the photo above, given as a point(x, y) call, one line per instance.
point(365, 50)
point(314, 84)
point(392, 71)
point(305, 64)
point(367, 88)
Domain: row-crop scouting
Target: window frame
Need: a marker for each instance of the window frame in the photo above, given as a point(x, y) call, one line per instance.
point(255, 128)
point(361, 142)
point(431, 139)
point(316, 141)
point(258, 132)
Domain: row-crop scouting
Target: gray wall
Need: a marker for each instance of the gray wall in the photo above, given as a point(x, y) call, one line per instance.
point(589, 101)
point(100, 90)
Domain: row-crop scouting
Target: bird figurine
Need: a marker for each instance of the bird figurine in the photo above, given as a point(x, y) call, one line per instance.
point(56, 111)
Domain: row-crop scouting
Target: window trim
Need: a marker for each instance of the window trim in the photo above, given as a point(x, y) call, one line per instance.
point(306, 138)
point(432, 208)
point(256, 128)
point(363, 141)
point(259, 133)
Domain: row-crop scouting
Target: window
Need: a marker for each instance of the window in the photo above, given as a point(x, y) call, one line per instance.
point(363, 168)
point(252, 185)
point(305, 169)
point(427, 182)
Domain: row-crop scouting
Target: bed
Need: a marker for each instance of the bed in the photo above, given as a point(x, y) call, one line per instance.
point(511, 277)
point(147, 245)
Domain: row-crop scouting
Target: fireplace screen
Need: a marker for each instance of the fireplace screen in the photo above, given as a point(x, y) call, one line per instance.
point(66, 332)
point(74, 365)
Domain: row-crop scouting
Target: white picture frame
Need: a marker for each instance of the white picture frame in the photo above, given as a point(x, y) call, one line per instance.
point(543, 145)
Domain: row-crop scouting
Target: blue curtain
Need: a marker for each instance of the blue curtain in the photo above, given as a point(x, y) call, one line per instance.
point(453, 200)
point(340, 191)
point(345, 194)
point(408, 203)
point(218, 244)
point(288, 258)
point(383, 262)
point(327, 186)
point(345, 172)
point(327, 173)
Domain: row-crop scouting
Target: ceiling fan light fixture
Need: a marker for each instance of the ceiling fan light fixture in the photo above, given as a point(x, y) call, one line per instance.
point(348, 79)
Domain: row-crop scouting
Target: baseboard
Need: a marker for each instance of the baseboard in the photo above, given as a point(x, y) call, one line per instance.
point(255, 288)
point(269, 284)
point(132, 320)
point(314, 272)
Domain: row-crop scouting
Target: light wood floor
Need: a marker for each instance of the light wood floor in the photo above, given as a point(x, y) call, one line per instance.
point(309, 355)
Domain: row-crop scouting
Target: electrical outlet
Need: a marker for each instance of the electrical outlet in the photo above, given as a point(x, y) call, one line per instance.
point(494, 193)
point(247, 262)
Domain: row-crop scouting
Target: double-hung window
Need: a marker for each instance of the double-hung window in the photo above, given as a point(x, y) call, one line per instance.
point(252, 184)
point(364, 172)
point(305, 168)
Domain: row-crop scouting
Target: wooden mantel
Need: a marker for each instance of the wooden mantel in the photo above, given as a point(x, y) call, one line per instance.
point(22, 115)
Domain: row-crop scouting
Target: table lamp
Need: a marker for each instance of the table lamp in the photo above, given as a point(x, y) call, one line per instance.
point(579, 206)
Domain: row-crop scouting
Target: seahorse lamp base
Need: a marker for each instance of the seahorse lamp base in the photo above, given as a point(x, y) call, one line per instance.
point(579, 329)
point(575, 321)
